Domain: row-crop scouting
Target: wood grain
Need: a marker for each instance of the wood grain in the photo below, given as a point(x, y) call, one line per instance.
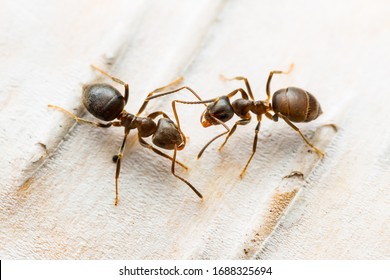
point(57, 177)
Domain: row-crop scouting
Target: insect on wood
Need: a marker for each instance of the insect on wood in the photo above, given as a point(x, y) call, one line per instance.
point(291, 104)
point(106, 103)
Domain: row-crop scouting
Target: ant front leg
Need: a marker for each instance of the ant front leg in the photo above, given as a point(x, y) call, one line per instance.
point(126, 85)
point(157, 151)
point(179, 101)
point(215, 138)
point(150, 97)
point(142, 108)
point(233, 129)
point(118, 166)
point(248, 87)
point(177, 116)
point(318, 151)
point(182, 179)
point(173, 91)
point(80, 120)
point(257, 129)
point(184, 102)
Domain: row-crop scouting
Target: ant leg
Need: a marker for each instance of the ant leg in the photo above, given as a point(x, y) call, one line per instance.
point(118, 166)
point(150, 97)
point(157, 113)
point(177, 116)
point(257, 129)
point(215, 138)
point(182, 145)
point(248, 87)
point(233, 129)
point(193, 102)
point(142, 108)
point(182, 179)
point(332, 125)
point(234, 92)
point(126, 85)
point(268, 90)
point(268, 115)
point(173, 91)
point(146, 145)
point(318, 151)
point(178, 121)
point(77, 119)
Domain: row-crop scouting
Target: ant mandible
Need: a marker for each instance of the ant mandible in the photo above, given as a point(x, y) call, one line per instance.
point(292, 104)
point(107, 104)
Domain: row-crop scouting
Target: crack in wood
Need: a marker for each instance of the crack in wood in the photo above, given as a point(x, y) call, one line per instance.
point(288, 189)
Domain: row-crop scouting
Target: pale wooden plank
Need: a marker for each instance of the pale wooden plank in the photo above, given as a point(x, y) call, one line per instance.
point(65, 209)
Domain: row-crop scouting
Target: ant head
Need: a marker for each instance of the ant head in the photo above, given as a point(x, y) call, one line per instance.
point(103, 101)
point(220, 109)
point(167, 135)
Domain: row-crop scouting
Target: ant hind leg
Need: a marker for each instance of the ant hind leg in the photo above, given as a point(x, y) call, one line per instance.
point(126, 85)
point(318, 151)
point(268, 87)
point(81, 120)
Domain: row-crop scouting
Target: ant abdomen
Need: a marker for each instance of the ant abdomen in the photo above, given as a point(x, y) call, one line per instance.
point(296, 104)
point(103, 101)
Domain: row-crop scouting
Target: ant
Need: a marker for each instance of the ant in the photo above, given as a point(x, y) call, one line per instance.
point(107, 104)
point(291, 104)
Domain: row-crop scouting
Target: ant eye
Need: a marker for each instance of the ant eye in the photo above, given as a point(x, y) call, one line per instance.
point(222, 116)
point(225, 115)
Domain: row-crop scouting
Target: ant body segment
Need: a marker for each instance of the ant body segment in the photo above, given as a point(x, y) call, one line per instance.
point(291, 104)
point(107, 104)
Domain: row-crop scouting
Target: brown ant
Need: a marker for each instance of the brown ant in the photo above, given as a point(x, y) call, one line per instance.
point(292, 104)
point(106, 103)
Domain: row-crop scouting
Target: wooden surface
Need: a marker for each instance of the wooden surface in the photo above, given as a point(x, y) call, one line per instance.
point(57, 177)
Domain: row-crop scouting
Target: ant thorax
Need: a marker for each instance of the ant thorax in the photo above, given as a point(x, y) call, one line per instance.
point(260, 107)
